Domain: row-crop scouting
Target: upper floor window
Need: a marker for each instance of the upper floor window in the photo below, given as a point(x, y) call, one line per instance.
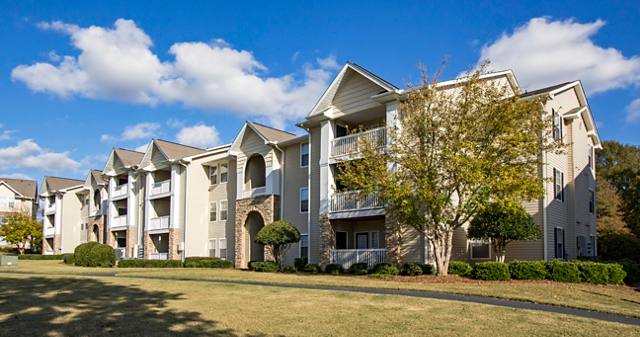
point(558, 184)
point(304, 154)
point(213, 174)
point(213, 212)
point(224, 172)
point(557, 125)
point(223, 210)
point(96, 199)
point(590, 156)
point(592, 202)
point(304, 199)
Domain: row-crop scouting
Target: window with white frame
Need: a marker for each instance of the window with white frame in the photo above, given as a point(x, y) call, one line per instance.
point(479, 250)
point(213, 248)
point(559, 243)
point(304, 154)
point(218, 248)
point(304, 199)
point(592, 202)
point(375, 240)
point(222, 246)
point(304, 245)
point(557, 125)
point(223, 210)
point(213, 174)
point(213, 212)
point(558, 184)
point(224, 172)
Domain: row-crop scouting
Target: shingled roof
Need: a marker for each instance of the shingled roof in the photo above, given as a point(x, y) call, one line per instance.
point(55, 184)
point(129, 157)
point(28, 188)
point(175, 151)
point(272, 134)
point(97, 175)
point(544, 90)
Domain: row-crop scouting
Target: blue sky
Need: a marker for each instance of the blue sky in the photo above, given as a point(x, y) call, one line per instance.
point(77, 78)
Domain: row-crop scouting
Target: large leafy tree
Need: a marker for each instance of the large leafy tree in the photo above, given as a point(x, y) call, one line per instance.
point(20, 229)
point(278, 236)
point(609, 209)
point(503, 222)
point(452, 150)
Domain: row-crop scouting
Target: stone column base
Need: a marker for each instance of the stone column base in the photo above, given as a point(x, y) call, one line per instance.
point(174, 243)
point(131, 242)
point(327, 240)
point(57, 244)
point(148, 245)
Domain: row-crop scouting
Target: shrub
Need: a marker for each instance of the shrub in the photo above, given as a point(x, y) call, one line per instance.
point(386, 269)
point(460, 268)
point(632, 268)
point(139, 263)
point(93, 254)
point(593, 272)
point(265, 266)
point(492, 271)
point(427, 269)
point(313, 269)
point(334, 269)
point(68, 258)
point(563, 271)
point(300, 263)
point(40, 257)
point(131, 263)
point(411, 269)
point(616, 273)
point(528, 270)
point(206, 262)
point(288, 269)
point(278, 235)
point(81, 253)
point(358, 269)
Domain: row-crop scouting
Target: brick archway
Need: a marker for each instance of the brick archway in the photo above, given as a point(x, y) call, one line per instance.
point(267, 206)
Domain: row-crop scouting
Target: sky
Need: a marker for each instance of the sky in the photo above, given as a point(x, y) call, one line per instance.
point(78, 78)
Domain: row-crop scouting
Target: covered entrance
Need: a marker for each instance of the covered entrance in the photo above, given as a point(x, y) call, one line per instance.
point(254, 251)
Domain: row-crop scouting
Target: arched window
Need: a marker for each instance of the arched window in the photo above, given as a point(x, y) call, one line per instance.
point(254, 172)
point(97, 199)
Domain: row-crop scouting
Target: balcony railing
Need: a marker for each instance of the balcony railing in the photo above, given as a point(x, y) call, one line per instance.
point(350, 145)
point(49, 208)
point(159, 223)
point(161, 187)
point(347, 257)
point(355, 200)
point(49, 231)
point(118, 221)
point(159, 256)
point(119, 191)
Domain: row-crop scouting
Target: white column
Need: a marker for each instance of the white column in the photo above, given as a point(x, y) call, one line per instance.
point(326, 176)
point(147, 207)
point(111, 208)
point(58, 215)
point(240, 179)
point(175, 196)
point(131, 200)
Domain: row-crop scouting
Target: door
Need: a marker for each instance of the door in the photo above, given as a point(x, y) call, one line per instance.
point(362, 240)
point(341, 240)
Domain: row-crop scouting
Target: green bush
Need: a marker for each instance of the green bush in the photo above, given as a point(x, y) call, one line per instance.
point(131, 263)
point(358, 269)
point(68, 258)
point(93, 254)
point(562, 271)
point(411, 269)
point(386, 269)
point(528, 270)
point(460, 268)
point(616, 273)
point(206, 262)
point(492, 271)
point(288, 269)
point(334, 269)
point(139, 263)
point(427, 269)
point(632, 268)
point(312, 268)
point(300, 263)
point(265, 266)
point(593, 272)
point(81, 253)
point(40, 257)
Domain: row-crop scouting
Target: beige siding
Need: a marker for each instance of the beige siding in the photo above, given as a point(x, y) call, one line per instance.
point(71, 221)
point(314, 195)
point(295, 178)
point(355, 94)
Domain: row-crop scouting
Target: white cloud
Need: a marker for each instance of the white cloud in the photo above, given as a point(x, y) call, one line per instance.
point(142, 148)
point(16, 176)
point(118, 64)
point(5, 134)
point(27, 154)
point(544, 52)
point(132, 132)
point(199, 135)
point(633, 111)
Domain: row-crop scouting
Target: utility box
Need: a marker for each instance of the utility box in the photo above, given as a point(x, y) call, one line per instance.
point(8, 260)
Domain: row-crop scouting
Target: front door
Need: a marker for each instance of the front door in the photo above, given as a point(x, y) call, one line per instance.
point(341, 240)
point(362, 240)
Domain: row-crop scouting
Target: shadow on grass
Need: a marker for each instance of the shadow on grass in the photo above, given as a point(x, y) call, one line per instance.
point(87, 307)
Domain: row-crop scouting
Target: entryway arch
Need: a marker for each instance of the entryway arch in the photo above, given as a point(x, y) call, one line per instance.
point(252, 225)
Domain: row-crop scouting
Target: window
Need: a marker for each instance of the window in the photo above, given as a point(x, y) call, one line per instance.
point(558, 184)
point(213, 247)
point(218, 248)
point(3, 220)
point(213, 174)
point(304, 154)
point(582, 245)
point(591, 246)
point(375, 241)
point(559, 240)
point(223, 210)
point(304, 245)
point(224, 172)
point(222, 245)
point(213, 212)
point(11, 204)
point(479, 250)
point(304, 199)
point(557, 125)
point(592, 202)
point(590, 156)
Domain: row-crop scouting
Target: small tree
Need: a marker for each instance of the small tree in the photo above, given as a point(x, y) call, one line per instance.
point(503, 222)
point(20, 229)
point(278, 236)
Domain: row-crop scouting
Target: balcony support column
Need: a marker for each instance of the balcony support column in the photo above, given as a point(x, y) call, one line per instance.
point(327, 240)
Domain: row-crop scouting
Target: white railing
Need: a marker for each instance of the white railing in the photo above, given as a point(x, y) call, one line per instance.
point(118, 221)
point(347, 257)
point(49, 231)
point(348, 145)
point(119, 191)
point(159, 223)
point(159, 256)
point(49, 207)
point(161, 187)
point(354, 200)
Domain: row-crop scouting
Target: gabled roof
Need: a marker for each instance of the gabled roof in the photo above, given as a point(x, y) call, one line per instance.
point(545, 90)
point(128, 157)
point(55, 184)
point(26, 188)
point(170, 151)
point(94, 175)
point(268, 134)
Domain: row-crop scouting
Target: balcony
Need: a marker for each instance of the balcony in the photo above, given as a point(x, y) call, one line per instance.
point(118, 222)
point(347, 257)
point(119, 191)
point(161, 188)
point(159, 256)
point(159, 223)
point(343, 148)
point(354, 204)
point(49, 208)
point(49, 231)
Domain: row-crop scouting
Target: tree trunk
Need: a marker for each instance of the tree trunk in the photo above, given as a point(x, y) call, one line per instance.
point(441, 244)
point(500, 250)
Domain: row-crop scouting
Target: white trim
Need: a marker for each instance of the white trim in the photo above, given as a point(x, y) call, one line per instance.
point(300, 211)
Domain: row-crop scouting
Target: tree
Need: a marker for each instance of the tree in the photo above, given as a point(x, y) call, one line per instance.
point(451, 151)
point(20, 229)
point(502, 222)
point(278, 236)
point(608, 209)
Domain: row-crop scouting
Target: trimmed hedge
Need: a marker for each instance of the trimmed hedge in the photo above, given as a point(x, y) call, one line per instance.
point(358, 269)
point(264, 266)
point(616, 273)
point(386, 269)
point(632, 268)
point(40, 257)
point(411, 269)
point(592, 272)
point(564, 271)
point(69, 258)
point(206, 262)
point(528, 270)
point(334, 269)
point(93, 254)
point(150, 264)
point(492, 271)
point(460, 268)
point(312, 268)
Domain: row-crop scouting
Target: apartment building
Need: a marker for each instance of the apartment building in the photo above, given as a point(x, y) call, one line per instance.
point(17, 196)
point(175, 201)
point(62, 202)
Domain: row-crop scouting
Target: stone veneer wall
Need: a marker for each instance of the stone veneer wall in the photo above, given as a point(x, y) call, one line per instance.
point(148, 245)
point(327, 239)
point(268, 206)
point(57, 242)
point(393, 235)
point(174, 241)
point(99, 221)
